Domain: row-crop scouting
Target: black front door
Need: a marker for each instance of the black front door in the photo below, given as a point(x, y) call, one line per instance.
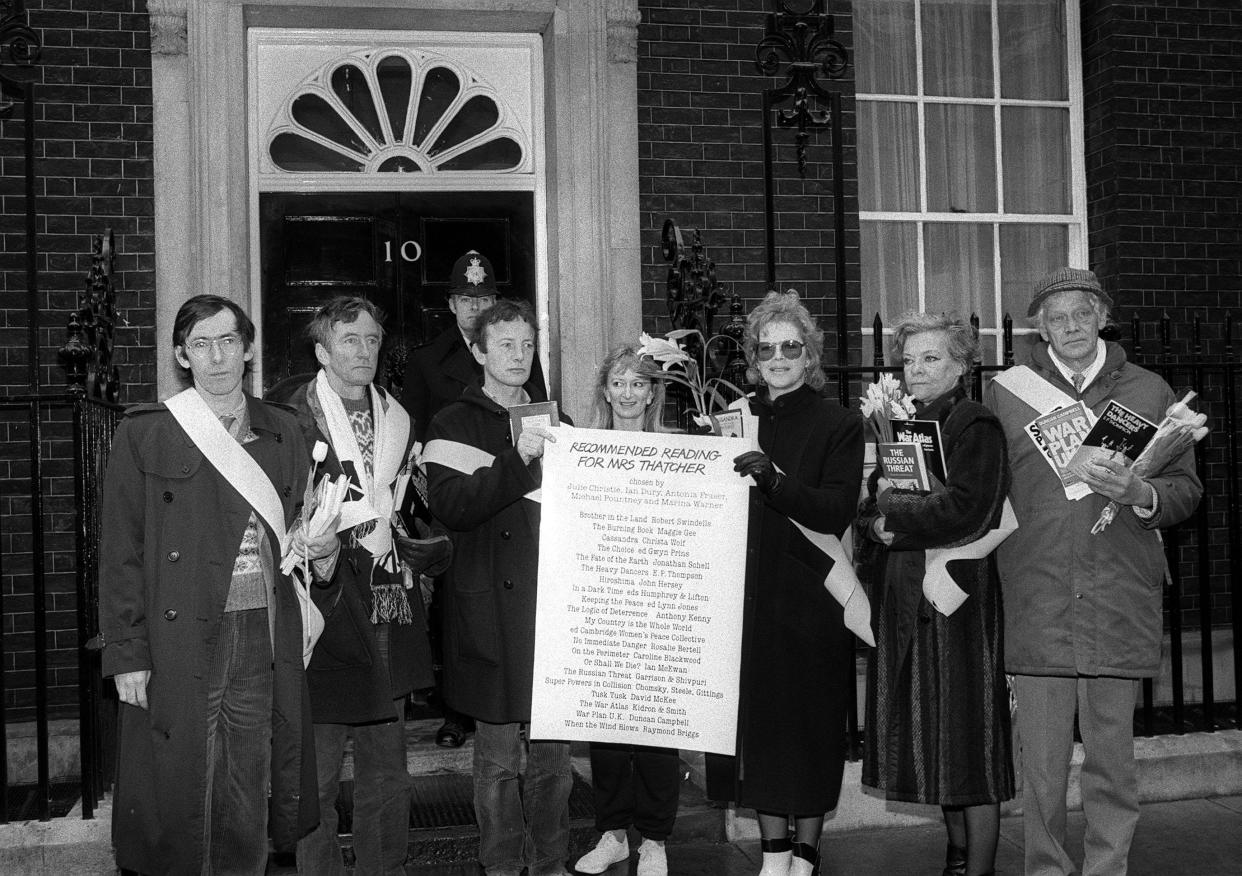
point(394, 248)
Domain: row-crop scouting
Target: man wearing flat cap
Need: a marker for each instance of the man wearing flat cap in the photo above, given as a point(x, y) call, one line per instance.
point(439, 371)
point(1082, 610)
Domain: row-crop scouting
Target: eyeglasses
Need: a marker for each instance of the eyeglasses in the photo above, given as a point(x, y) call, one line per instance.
point(789, 349)
point(475, 302)
point(226, 346)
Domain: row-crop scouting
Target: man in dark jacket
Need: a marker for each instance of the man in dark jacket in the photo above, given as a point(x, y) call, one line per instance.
point(202, 633)
point(374, 647)
point(483, 489)
point(1082, 610)
point(439, 372)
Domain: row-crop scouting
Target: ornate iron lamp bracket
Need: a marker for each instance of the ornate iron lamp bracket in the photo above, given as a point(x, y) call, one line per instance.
point(798, 43)
point(694, 295)
point(88, 351)
point(20, 47)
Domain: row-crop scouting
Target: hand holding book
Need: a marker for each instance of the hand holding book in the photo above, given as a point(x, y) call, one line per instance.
point(1180, 430)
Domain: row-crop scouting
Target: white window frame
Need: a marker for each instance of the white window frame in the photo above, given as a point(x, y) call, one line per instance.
point(1075, 220)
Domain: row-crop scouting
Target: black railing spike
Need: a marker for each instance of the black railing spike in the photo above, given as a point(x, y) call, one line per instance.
point(1007, 339)
point(1136, 336)
point(1196, 335)
point(877, 341)
point(1166, 336)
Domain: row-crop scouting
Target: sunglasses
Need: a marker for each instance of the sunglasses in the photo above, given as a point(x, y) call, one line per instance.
point(789, 349)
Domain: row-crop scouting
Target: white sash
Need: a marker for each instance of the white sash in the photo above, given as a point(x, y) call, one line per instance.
point(243, 474)
point(1043, 397)
point(465, 458)
point(382, 488)
point(1033, 390)
point(938, 585)
point(842, 582)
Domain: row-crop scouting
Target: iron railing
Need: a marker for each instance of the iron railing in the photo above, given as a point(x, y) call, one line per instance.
point(84, 427)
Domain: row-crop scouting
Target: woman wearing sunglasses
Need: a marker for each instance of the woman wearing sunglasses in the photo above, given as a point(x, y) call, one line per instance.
point(937, 703)
point(798, 657)
point(635, 785)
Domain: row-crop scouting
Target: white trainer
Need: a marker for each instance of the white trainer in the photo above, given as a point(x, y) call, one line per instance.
point(608, 851)
point(652, 861)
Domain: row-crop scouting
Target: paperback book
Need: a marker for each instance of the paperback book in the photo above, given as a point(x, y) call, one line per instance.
point(542, 415)
point(904, 464)
point(1118, 430)
point(925, 433)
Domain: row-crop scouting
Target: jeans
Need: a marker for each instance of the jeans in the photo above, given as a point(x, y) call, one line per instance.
point(522, 821)
point(239, 746)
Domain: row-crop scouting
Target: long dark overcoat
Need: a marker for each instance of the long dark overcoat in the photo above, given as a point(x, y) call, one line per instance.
point(439, 371)
point(937, 720)
point(349, 682)
point(799, 658)
point(490, 590)
point(171, 530)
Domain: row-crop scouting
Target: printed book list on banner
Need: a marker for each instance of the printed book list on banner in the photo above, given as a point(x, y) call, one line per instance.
point(642, 564)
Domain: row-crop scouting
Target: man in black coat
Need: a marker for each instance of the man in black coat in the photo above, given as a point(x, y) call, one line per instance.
point(481, 484)
point(437, 373)
point(374, 647)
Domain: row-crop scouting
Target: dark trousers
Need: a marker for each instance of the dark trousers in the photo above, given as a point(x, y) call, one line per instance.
point(635, 785)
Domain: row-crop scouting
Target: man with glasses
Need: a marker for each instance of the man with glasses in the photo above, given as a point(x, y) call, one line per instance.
point(438, 373)
point(1082, 610)
point(202, 633)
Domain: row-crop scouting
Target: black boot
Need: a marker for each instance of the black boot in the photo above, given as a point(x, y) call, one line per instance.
point(805, 860)
point(954, 861)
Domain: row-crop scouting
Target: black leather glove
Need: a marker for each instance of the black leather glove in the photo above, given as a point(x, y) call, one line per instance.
point(429, 556)
point(759, 465)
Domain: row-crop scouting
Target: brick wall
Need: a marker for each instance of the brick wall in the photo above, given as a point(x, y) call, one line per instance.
point(700, 147)
point(1163, 114)
point(93, 172)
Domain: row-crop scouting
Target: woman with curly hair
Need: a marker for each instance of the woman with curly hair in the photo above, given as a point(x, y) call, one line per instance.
point(797, 655)
point(937, 703)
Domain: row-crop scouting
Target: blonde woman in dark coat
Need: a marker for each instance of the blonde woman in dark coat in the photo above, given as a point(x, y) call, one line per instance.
point(797, 656)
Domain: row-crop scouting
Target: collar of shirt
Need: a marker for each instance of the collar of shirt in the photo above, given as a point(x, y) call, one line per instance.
point(1089, 373)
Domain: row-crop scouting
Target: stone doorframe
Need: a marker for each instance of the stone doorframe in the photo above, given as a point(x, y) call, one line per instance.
point(202, 219)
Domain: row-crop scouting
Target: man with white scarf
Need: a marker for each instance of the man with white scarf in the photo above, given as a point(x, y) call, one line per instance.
point(374, 647)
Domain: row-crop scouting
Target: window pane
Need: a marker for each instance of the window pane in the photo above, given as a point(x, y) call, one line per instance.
point(350, 85)
point(1032, 47)
point(957, 48)
point(478, 114)
point(1028, 252)
point(884, 35)
point(440, 88)
point(295, 153)
point(502, 153)
point(958, 257)
point(888, 166)
point(961, 159)
point(395, 80)
point(315, 114)
point(1036, 155)
point(889, 267)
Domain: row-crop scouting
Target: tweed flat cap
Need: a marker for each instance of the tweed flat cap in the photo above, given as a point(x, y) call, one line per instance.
point(1063, 280)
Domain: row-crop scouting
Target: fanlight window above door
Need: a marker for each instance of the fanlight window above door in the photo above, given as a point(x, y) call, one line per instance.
point(396, 111)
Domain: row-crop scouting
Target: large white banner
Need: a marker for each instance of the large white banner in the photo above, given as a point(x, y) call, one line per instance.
point(642, 564)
